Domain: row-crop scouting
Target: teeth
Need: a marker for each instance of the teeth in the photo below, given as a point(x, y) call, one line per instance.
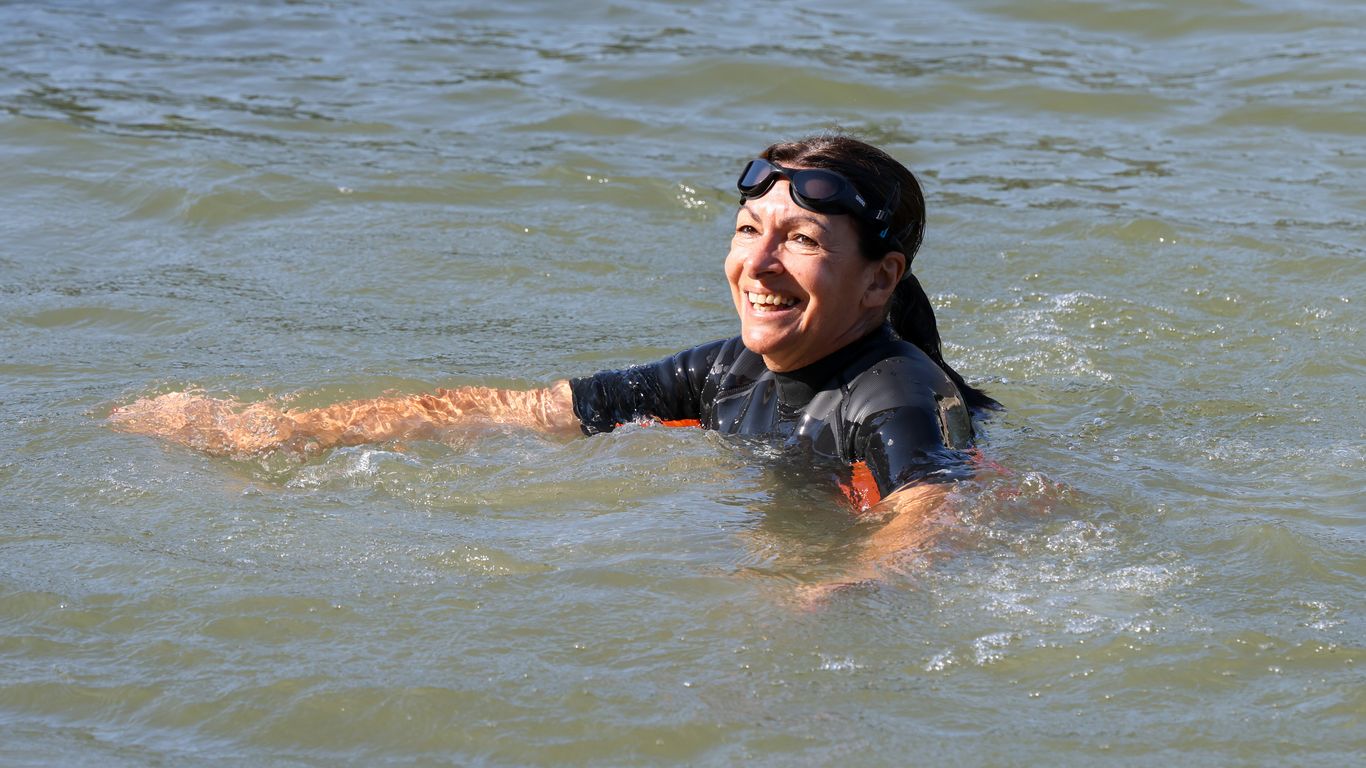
point(764, 299)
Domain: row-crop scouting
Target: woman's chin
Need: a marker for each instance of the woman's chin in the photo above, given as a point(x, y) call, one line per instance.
point(764, 341)
point(779, 352)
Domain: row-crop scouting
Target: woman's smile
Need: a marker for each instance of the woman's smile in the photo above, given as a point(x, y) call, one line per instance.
point(769, 302)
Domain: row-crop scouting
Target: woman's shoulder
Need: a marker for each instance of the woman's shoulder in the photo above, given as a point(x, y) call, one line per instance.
point(897, 374)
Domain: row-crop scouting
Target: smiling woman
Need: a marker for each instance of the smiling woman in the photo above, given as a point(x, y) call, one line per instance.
point(838, 356)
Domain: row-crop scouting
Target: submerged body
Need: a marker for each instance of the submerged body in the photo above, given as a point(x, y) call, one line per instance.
point(878, 404)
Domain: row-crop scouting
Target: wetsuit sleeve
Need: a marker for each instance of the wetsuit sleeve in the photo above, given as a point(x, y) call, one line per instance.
point(917, 431)
point(905, 445)
point(669, 389)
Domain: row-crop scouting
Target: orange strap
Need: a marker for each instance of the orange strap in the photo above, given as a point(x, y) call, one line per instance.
point(861, 490)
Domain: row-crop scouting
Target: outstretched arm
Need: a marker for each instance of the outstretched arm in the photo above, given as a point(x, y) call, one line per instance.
point(222, 427)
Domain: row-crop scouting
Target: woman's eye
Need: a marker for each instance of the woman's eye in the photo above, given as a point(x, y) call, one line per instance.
point(805, 240)
point(746, 229)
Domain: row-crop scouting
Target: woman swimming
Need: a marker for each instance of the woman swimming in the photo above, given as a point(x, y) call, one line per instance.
point(838, 353)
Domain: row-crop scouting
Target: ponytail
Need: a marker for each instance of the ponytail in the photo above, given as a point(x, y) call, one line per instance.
point(912, 319)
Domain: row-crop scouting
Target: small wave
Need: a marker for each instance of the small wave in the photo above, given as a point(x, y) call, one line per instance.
point(351, 465)
point(109, 319)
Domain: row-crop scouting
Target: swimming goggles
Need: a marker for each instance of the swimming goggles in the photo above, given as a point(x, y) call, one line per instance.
point(815, 189)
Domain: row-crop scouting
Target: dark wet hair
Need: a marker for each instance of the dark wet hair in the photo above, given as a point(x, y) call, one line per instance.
point(876, 175)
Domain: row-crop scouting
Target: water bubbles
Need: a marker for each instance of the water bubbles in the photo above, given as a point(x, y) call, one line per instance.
point(1323, 615)
point(841, 664)
point(990, 649)
point(1081, 538)
point(1140, 579)
point(940, 661)
point(354, 465)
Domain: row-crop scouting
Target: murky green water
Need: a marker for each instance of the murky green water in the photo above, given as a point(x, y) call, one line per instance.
point(1146, 239)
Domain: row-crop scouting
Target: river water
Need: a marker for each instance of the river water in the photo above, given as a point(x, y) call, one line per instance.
point(1146, 239)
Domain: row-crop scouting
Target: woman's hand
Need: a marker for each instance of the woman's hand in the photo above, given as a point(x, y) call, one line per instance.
point(214, 426)
point(914, 518)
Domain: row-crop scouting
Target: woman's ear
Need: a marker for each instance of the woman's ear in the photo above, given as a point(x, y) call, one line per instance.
point(886, 273)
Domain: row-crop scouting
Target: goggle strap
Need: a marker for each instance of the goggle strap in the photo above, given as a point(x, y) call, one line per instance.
point(760, 188)
point(885, 215)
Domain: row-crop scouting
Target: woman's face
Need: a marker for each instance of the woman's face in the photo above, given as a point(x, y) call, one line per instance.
point(800, 285)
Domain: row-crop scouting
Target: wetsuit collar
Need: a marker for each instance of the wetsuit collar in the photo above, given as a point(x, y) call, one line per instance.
point(797, 388)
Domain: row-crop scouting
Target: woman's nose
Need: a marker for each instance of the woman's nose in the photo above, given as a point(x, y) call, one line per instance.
point(764, 256)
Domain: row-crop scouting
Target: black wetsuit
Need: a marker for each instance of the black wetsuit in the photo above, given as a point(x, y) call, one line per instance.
point(879, 401)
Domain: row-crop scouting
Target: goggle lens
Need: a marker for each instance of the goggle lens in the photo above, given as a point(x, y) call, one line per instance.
point(815, 189)
point(817, 186)
point(756, 172)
